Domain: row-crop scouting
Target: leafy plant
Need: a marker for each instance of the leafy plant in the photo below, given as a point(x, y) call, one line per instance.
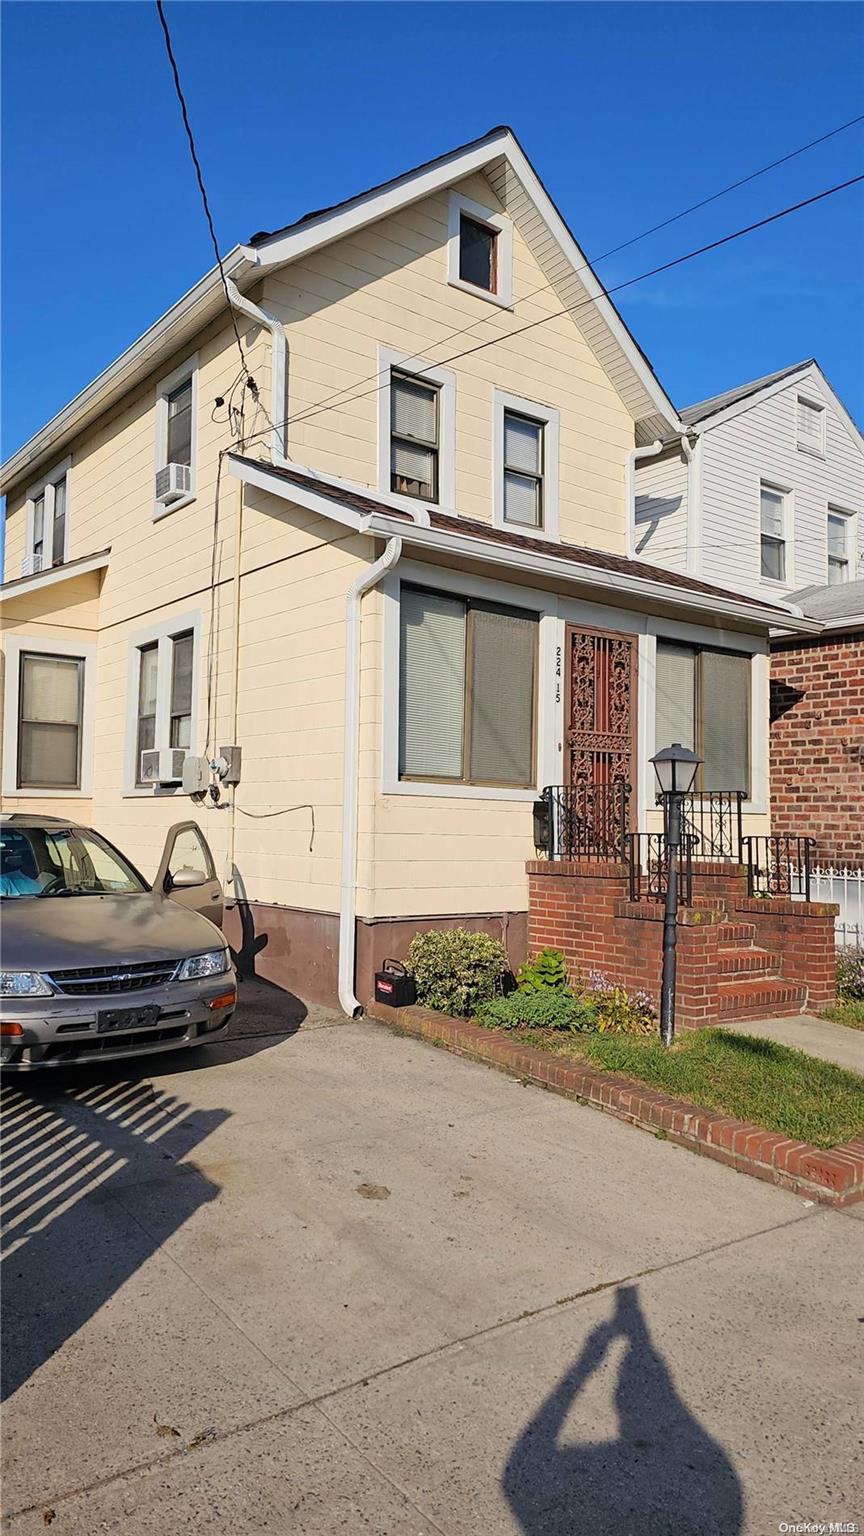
point(850, 975)
point(546, 1008)
point(620, 1012)
point(547, 972)
point(455, 971)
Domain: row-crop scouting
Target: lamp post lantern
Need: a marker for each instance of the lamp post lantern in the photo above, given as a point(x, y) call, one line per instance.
point(675, 768)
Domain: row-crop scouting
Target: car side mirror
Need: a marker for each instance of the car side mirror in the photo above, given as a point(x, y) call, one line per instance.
point(184, 879)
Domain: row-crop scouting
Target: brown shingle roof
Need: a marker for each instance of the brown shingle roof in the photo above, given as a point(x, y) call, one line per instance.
point(578, 554)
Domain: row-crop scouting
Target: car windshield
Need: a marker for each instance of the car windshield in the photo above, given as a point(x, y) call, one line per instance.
point(62, 861)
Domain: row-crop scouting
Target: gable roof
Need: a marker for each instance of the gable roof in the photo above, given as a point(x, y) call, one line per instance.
point(706, 414)
point(501, 158)
point(594, 566)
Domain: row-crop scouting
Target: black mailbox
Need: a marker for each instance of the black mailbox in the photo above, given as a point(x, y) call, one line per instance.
point(394, 986)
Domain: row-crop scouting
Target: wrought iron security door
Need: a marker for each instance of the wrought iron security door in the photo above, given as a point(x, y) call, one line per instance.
point(601, 706)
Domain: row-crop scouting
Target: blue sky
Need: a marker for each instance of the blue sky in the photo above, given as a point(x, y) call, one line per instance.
point(629, 111)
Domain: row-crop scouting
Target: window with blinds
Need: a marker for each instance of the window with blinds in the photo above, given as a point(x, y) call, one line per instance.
point(838, 548)
point(414, 436)
point(523, 470)
point(51, 692)
point(702, 701)
point(467, 689)
point(811, 426)
point(772, 533)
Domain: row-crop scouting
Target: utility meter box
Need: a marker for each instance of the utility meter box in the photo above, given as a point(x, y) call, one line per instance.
point(232, 757)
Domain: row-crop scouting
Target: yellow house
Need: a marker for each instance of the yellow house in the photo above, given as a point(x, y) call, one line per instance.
point(370, 527)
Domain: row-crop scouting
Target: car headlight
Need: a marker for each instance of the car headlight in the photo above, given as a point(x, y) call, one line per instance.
point(23, 984)
point(214, 963)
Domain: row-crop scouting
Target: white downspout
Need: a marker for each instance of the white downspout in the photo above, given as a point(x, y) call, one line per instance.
point(350, 766)
point(633, 458)
point(278, 367)
point(690, 552)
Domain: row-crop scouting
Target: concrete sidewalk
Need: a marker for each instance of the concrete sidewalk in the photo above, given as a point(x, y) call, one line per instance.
point(819, 1037)
point(327, 1279)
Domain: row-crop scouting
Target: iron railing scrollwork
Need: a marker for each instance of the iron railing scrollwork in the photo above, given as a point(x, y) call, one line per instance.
point(780, 866)
point(648, 858)
point(583, 821)
point(714, 819)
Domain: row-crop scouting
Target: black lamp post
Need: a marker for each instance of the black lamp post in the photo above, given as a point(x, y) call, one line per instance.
point(675, 768)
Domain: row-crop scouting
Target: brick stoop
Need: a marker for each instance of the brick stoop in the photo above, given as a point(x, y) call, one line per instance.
point(834, 1177)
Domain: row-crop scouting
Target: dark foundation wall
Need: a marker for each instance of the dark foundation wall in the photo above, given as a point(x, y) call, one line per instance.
point(298, 950)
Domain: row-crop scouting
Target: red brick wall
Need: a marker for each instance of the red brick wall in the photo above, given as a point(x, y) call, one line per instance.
point(817, 744)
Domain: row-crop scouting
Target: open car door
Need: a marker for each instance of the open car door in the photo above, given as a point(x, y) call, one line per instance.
point(187, 873)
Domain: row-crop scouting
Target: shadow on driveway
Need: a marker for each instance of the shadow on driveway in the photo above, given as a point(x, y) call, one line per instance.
point(662, 1474)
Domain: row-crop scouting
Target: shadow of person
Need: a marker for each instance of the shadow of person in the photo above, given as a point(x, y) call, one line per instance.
point(662, 1474)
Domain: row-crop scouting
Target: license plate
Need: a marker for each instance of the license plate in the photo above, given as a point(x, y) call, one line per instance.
point(126, 1018)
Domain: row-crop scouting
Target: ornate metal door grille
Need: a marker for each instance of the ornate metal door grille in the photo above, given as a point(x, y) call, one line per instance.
point(601, 690)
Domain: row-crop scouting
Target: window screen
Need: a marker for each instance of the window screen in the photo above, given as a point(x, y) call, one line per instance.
point(703, 702)
point(58, 532)
point(772, 540)
point(477, 253)
point(838, 557)
point(49, 733)
point(148, 674)
point(466, 690)
point(181, 691)
point(676, 696)
point(179, 448)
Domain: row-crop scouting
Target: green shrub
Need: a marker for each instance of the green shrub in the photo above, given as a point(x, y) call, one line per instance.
point(546, 972)
point(850, 975)
point(455, 971)
point(620, 1012)
point(547, 1008)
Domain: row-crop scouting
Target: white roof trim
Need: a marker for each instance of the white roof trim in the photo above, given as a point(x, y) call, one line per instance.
point(136, 362)
point(794, 380)
point(21, 587)
point(470, 546)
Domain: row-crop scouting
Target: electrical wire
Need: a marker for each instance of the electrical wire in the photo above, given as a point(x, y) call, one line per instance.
point(200, 177)
point(311, 412)
point(588, 266)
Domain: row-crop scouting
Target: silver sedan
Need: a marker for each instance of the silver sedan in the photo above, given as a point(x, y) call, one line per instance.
point(97, 963)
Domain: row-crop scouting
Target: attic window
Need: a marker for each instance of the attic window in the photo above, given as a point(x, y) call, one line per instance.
point(480, 251)
point(811, 427)
point(477, 253)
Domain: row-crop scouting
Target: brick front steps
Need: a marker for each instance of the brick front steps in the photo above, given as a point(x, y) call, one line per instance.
point(834, 1177)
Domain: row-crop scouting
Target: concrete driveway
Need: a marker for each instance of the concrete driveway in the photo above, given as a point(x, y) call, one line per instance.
point(325, 1279)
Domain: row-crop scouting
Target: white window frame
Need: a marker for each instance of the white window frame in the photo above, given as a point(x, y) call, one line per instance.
point(503, 227)
point(547, 733)
point(166, 387)
point(46, 487)
point(75, 650)
point(816, 452)
point(162, 635)
point(425, 373)
point(851, 520)
point(550, 420)
point(788, 515)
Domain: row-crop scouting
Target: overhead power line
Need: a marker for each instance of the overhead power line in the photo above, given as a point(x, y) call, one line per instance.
point(587, 266)
point(666, 266)
point(200, 176)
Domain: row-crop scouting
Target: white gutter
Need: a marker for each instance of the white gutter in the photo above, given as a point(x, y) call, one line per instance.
point(278, 370)
point(350, 766)
point(633, 458)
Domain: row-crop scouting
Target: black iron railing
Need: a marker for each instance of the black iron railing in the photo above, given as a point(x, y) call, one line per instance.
point(583, 821)
point(713, 817)
point(648, 857)
point(779, 866)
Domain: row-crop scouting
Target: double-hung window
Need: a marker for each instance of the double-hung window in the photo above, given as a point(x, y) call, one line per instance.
point(523, 470)
point(811, 426)
point(414, 436)
point(838, 547)
point(162, 682)
point(179, 441)
point(176, 408)
point(47, 716)
point(46, 535)
point(703, 702)
point(772, 533)
point(467, 690)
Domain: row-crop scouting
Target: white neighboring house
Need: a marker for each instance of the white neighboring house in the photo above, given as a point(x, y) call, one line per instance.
point(764, 490)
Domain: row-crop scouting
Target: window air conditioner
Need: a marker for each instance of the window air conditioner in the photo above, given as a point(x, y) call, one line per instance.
point(172, 483)
point(162, 765)
point(31, 565)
